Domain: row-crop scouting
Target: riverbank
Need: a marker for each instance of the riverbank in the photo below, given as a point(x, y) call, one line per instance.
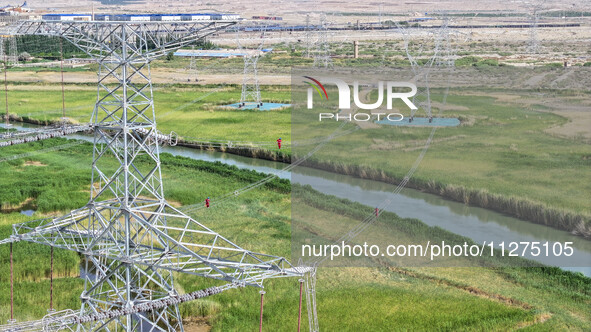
point(244, 151)
point(519, 208)
point(327, 214)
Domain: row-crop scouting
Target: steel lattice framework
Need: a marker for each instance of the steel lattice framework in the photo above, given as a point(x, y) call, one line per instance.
point(12, 58)
point(251, 91)
point(128, 232)
point(322, 57)
point(534, 42)
point(422, 71)
point(307, 38)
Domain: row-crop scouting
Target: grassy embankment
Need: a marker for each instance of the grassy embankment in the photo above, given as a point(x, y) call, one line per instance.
point(501, 158)
point(376, 298)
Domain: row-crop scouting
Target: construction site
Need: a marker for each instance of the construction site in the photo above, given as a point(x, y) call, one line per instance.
point(180, 166)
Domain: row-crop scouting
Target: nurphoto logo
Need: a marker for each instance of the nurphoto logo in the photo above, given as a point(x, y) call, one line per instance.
point(344, 98)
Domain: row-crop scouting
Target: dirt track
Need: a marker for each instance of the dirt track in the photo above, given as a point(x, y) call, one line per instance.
point(159, 75)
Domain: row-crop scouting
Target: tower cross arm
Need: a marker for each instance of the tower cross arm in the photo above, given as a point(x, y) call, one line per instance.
point(188, 247)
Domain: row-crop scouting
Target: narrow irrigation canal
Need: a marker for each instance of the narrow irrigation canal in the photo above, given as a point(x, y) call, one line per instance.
point(472, 222)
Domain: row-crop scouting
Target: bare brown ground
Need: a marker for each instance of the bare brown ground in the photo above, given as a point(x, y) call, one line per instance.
point(578, 125)
point(34, 163)
point(197, 325)
point(159, 75)
point(578, 115)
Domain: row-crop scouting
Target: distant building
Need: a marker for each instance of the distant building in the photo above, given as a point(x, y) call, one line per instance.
point(141, 17)
point(219, 53)
point(67, 17)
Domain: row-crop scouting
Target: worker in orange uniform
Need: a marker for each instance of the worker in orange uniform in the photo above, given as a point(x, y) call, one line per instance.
point(279, 143)
point(207, 202)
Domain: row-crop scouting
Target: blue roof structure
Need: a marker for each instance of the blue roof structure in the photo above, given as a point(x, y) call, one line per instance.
point(208, 54)
point(156, 16)
point(253, 106)
point(67, 15)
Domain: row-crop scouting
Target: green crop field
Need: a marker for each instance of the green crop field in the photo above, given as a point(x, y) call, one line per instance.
point(393, 298)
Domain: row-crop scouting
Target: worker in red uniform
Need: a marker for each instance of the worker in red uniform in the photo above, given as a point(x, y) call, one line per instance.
point(377, 212)
point(207, 202)
point(279, 143)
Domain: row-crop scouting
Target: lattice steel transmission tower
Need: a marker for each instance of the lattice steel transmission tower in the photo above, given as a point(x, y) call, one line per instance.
point(308, 37)
point(12, 51)
point(534, 42)
point(322, 48)
point(533, 46)
point(310, 280)
point(4, 59)
point(128, 233)
point(251, 92)
point(439, 54)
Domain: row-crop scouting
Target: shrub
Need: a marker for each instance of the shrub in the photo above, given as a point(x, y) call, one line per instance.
point(467, 61)
point(554, 65)
point(487, 62)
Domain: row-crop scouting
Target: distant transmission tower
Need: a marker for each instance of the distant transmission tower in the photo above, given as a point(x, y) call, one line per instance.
point(4, 59)
point(12, 51)
point(446, 56)
point(322, 57)
point(307, 37)
point(422, 67)
point(251, 92)
point(534, 41)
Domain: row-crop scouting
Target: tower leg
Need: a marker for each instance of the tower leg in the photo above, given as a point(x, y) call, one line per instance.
point(51, 282)
point(261, 316)
point(12, 320)
point(300, 307)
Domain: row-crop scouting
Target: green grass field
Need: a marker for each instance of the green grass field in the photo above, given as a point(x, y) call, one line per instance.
point(349, 299)
point(189, 111)
point(501, 149)
point(500, 158)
